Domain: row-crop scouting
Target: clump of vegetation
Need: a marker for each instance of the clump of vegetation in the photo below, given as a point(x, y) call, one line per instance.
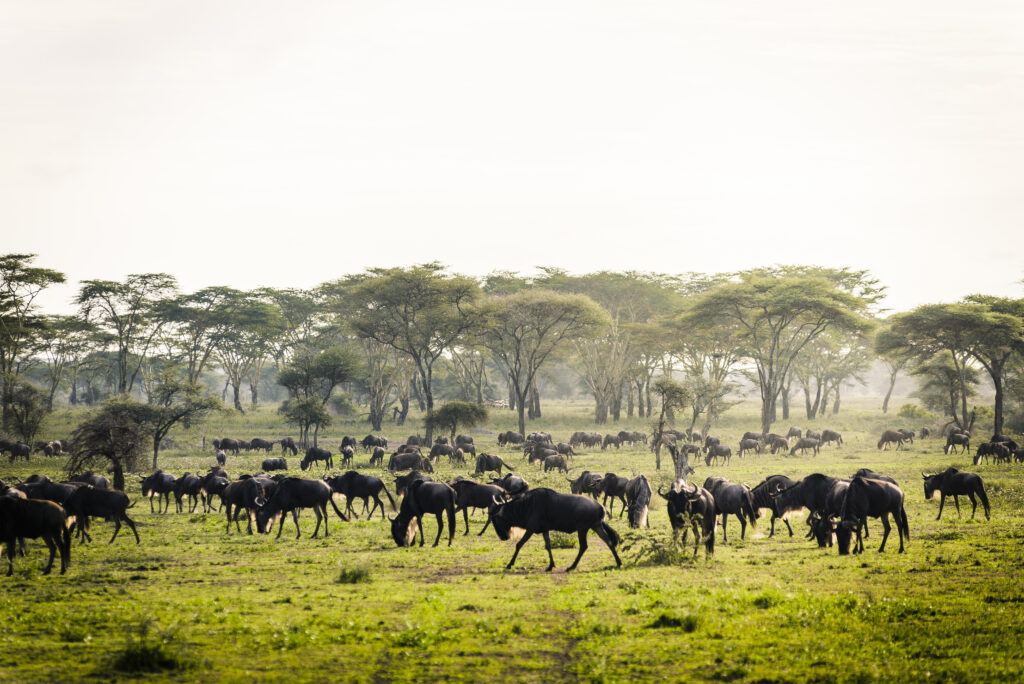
point(915, 412)
point(148, 649)
point(653, 549)
point(354, 575)
point(687, 623)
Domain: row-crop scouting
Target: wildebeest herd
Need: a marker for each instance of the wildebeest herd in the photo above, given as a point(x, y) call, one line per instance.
point(838, 507)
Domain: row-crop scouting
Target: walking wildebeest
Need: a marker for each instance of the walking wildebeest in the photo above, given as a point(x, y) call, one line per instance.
point(293, 494)
point(543, 510)
point(805, 443)
point(692, 508)
point(614, 486)
point(749, 445)
point(638, 501)
point(486, 462)
point(732, 498)
point(232, 445)
point(160, 485)
point(259, 444)
point(372, 441)
point(422, 498)
point(876, 499)
point(776, 442)
point(109, 504)
point(908, 435)
point(954, 483)
point(829, 436)
point(314, 455)
point(763, 498)
point(611, 440)
point(190, 486)
point(891, 437)
point(556, 462)
point(288, 444)
point(958, 439)
point(794, 432)
point(714, 452)
point(356, 486)
point(409, 460)
point(469, 494)
point(35, 519)
point(250, 493)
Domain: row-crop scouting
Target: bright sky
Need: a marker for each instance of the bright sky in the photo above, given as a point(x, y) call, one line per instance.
point(267, 143)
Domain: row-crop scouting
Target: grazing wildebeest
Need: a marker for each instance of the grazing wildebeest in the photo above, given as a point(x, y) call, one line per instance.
point(924, 432)
point(694, 507)
point(876, 499)
point(610, 440)
point(638, 501)
point(749, 445)
point(809, 493)
point(513, 484)
point(954, 483)
point(370, 441)
point(250, 493)
point(439, 450)
point(486, 462)
point(314, 455)
point(829, 436)
point(469, 494)
point(402, 482)
point(958, 439)
point(288, 444)
point(159, 484)
point(805, 443)
point(259, 444)
point(35, 519)
point(232, 445)
point(556, 462)
point(586, 483)
point(270, 464)
point(714, 452)
point(222, 458)
point(543, 510)
point(614, 486)
point(109, 504)
point(378, 457)
point(293, 494)
point(356, 486)
point(710, 441)
point(776, 442)
point(422, 498)
point(794, 432)
point(409, 460)
point(732, 498)
point(348, 441)
point(565, 449)
point(822, 523)
point(458, 456)
point(348, 456)
point(891, 437)
point(763, 498)
point(187, 485)
point(999, 451)
point(507, 438)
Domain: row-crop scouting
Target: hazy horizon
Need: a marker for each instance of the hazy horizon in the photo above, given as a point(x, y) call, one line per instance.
point(252, 144)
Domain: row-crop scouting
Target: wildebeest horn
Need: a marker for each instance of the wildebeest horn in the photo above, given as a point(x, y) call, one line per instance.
point(496, 501)
point(924, 475)
point(660, 494)
point(391, 518)
point(259, 501)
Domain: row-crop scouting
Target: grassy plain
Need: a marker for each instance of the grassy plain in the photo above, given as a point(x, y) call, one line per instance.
point(195, 602)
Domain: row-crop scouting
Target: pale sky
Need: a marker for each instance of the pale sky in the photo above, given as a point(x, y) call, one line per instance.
point(267, 143)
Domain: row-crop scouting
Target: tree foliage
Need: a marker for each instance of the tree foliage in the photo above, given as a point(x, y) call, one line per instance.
point(455, 414)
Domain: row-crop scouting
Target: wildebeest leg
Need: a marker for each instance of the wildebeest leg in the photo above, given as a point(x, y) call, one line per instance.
point(956, 500)
point(117, 528)
point(725, 519)
point(465, 516)
point(53, 552)
point(583, 548)
point(11, 544)
point(743, 526)
point(864, 522)
point(486, 524)
point(377, 502)
point(440, 528)
point(519, 545)
point(886, 528)
point(419, 523)
point(787, 525)
point(547, 546)
point(316, 510)
point(599, 530)
point(131, 524)
point(942, 501)
point(974, 504)
point(622, 500)
point(151, 502)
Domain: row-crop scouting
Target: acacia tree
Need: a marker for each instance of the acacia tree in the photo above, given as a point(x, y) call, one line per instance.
point(672, 396)
point(311, 376)
point(777, 314)
point(115, 435)
point(970, 331)
point(523, 330)
point(64, 340)
point(940, 386)
point(200, 322)
point(132, 313)
point(174, 401)
point(20, 325)
point(419, 311)
point(453, 414)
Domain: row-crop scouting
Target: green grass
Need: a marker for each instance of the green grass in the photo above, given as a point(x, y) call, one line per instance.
point(353, 607)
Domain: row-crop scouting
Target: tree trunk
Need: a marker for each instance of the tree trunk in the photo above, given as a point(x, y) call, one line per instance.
point(835, 404)
point(817, 398)
point(535, 401)
point(236, 391)
point(415, 389)
point(997, 381)
point(600, 410)
point(405, 410)
point(316, 433)
point(892, 384)
point(118, 474)
point(785, 403)
point(254, 391)
point(156, 448)
point(629, 401)
point(647, 393)
point(511, 397)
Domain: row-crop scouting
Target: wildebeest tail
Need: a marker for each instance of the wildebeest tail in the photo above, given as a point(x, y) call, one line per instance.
point(903, 522)
point(391, 500)
point(612, 534)
point(748, 505)
point(983, 497)
point(130, 505)
point(337, 510)
point(505, 464)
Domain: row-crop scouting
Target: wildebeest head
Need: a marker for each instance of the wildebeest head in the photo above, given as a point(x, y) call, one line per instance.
point(929, 486)
point(403, 529)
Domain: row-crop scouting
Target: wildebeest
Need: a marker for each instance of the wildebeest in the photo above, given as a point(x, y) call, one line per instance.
point(221, 457)
point(416, 440)
point(292, 495)
point(377, 459)
point(958, 439)
point(249, 493)
point(611, 440)
point(506, 438)
point(813, 434)
point(486, 462)
point(270, 464)
point(809, 493)
point(999, 451)
point(749, 445)
point(829, 436)
point(109, 504)
point(41, 487)
point(159, 484)
point(954, 483)
point(614, 486)
point(513, 484)
point(423, 498)
point(735, 499)
point(565, 449)
point(469, 494)
point(692, 506)
point(409, 460)
point(315, 455)
point(924, 432)
point(891, 437)
point(543, 510)
point(288, 444)
point(353, 485)
point(348, 441)
point(908, 435)
point(91, 478)
point(212, 484)
point(714, 452)
point(875, 499)
point(187, 485)
point(805, 443)
point(439, 450)
point(232, 445)
point(763, 498)
point(35, 519)
point(261, 444)
point(794, 432)
point(710, 441)
point(348, 456)
point(463, 439)
point(556, 462)
point(776, 442)
point(586, 483)
point(638, 501)
point(373, 440)
point(403, 482)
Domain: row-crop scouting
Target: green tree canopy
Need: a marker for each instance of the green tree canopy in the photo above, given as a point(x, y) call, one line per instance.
point(455, 414)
